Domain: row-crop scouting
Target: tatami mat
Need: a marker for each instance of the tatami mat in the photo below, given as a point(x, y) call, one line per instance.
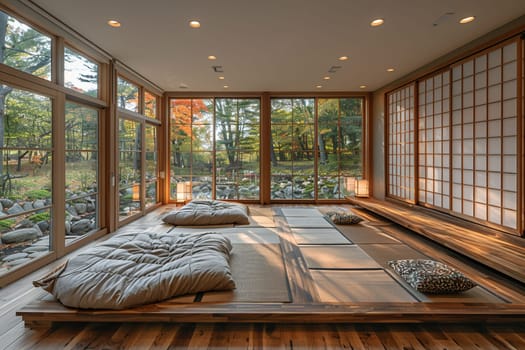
point(383, 253)
point(337, 257)
point(319, 236)
point(307, 222)
point(363, 234)
point(358, 286)
point(308, 212)
point(261, 221)
point(259, 274)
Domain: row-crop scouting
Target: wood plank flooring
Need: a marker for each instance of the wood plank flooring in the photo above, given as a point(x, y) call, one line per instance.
point(492, 331)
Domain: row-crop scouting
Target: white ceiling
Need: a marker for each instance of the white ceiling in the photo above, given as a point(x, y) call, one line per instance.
point(280, 45)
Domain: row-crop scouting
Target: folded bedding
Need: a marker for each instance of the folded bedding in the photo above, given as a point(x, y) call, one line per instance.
point(208, 212)
point(132, 269)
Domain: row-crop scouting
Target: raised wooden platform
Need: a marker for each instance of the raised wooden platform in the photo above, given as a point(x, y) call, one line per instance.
point(498, 250)
point(305, 305)
point(43, 315)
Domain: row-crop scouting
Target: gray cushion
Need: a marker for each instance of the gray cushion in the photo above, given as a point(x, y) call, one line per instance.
point(429, 276)
point(208, 212)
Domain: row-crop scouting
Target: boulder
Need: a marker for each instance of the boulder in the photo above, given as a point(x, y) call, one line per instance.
point(6, 202)
point(81, 208)
point(80, 226)
point(21, 235)
point(28, 206)
point(15, 209)
point(15, 256)
point(39, 203)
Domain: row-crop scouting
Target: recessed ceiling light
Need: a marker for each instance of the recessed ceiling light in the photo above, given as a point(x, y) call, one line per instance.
point(195, 24)
point(362, 86)
point(319, 86)
point(212, 58)
point(343, 58)
point(226, 86)
point(114, 23)
point(390, 70)
point(326, 78)
point(221, 78)
point(377, 22)
point(467, 20)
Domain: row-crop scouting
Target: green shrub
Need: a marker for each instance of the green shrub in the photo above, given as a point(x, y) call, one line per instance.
point(7, 223)
point(38, 194)
point(40, 217)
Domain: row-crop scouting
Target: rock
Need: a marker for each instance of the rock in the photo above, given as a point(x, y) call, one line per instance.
point(80, 226)
point(81, 208)
point(71, 209)
point(68, 226)
point(38, 230)
point(91, 207)
point(19, 261)
point(44, 225)
point(36, 255)
point(15, 256)
point(42, 242)
point(28, 206)
point(1, 207)
point(6, 202)
point(35, 248)
point(39, 203)
point(15, 209)
point(25, 223)
point(21, 235)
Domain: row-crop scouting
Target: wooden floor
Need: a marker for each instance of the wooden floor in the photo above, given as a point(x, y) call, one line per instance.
point(260, 331)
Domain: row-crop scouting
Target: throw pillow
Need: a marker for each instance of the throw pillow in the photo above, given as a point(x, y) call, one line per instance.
point(429, 276)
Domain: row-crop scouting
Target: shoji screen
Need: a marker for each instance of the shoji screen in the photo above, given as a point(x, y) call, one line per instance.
point(401, 143)
point(434, 140)
point(485, 136)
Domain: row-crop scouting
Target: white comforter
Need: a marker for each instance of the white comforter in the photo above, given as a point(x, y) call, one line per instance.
point(138, 268)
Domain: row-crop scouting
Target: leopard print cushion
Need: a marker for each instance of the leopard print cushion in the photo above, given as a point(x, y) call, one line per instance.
point(345, 219)
point(433, 277)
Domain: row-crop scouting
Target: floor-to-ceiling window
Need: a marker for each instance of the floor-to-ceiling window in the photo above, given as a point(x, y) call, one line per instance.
point(51, 109)
point(316, 147)
point(214, 148)
point(138, 163)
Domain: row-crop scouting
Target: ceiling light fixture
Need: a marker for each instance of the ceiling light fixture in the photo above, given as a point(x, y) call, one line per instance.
point(114, 23)
point(377, 22)
point(343, 58)
point(362, 86)
point(467, 20)
point(221, 78)
point(390, 70)
point(226, 86)
point(212, 58)
point(195, 24)
point(326, 78)
point(319, 86)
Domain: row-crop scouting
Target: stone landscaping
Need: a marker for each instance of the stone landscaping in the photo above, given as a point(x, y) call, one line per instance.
point(26, 236)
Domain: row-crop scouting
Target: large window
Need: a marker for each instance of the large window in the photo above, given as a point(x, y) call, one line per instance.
point(214, 148)
point(127, 95)
point(80, 73)
point(26, 157)
point(138, 149)
point(24, 48)
point(308, 167)
point(82, 158)
point(130, 167)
